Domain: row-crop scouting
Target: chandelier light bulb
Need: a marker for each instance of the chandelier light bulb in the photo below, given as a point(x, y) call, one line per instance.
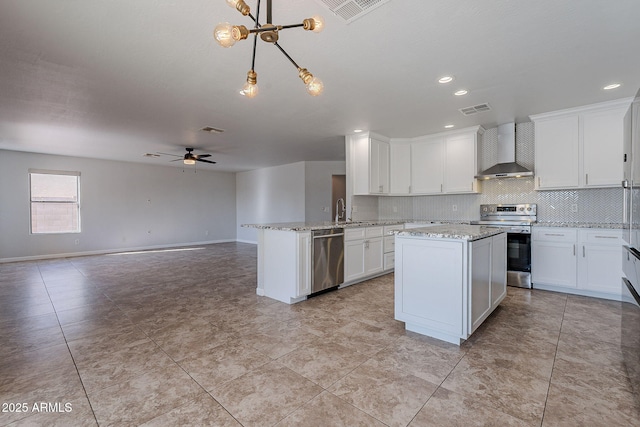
point(250, 88)
point(318, 23)
point(315, 87)
point(223, 33)
point(232, 3)
point(240, 6)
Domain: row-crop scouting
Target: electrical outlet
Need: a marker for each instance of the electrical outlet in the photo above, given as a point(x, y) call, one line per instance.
point(206, 232)
point(395, 209)
point(574, 208)
point(455, 208)
point(354, 208)
point(77, 242)
point(325, 209)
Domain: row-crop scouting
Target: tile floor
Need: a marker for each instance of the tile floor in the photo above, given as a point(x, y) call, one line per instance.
point(179, 338)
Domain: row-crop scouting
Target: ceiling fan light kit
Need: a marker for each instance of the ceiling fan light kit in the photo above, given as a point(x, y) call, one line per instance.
point(227, 35)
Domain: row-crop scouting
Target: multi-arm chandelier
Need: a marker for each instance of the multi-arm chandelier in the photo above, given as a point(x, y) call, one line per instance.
point(227, 35)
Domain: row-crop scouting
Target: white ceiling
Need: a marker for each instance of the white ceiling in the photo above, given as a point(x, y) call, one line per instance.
point(116, 79)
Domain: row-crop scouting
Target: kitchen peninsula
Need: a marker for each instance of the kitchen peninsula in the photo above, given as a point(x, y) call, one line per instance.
point(449, 278)
point(288, 267)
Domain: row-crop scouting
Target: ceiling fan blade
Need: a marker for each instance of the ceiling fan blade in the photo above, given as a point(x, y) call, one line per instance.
point(176, 160)
point(167, 154)
point(202, 155)
point(206, 161)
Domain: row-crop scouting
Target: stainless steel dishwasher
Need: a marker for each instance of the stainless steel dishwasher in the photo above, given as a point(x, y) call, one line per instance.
point(327, 253)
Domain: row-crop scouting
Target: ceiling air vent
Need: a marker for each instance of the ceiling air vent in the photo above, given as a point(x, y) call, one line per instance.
point(211, 129)
point(352, 9)
point(468, 111)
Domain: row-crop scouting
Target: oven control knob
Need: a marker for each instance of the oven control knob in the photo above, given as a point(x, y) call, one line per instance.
point(521, 209)
point(528, 208)
point(484, 209)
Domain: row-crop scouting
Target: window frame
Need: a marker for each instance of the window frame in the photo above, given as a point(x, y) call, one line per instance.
point(76, 203)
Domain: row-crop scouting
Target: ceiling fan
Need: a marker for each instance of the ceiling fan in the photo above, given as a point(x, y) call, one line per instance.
point(190, 158)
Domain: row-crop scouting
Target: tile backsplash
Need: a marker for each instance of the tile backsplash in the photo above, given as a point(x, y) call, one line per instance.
point(601, 205)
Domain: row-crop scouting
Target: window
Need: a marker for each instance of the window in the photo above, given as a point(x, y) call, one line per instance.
point(55, 201)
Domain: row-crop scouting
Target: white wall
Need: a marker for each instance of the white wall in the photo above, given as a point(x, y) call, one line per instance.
point(318, 188)
point(275, 194)
point(123, 206)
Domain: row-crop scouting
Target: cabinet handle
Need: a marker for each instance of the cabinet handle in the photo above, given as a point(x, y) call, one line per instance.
point(441, 188)
point(554, 234)
point(574, 249)
point(583, 254)
point(409, 189)
point(538, 182)
point(586, 179)
point(606, 237)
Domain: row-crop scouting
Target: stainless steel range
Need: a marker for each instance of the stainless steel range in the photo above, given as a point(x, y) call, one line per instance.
point(517, 221)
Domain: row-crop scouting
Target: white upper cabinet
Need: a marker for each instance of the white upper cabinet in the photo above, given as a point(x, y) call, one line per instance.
point(369, 154)
point(603, 147)
point(557, 152)
point(427, 166)
point(399, 169)
point(580, 148)
point(435, 164)
point(461, 163)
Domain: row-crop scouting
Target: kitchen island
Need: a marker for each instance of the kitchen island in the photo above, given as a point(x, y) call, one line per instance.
point(449, 278)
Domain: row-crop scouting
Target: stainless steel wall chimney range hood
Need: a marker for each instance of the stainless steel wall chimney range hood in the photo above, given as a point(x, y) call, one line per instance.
point(507, 166)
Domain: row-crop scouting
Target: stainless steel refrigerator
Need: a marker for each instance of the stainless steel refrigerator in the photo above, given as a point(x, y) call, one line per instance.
point(630, 316)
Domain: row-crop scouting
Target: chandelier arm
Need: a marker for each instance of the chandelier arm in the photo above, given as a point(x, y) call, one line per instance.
point(253, 56)
point(287, 55)
point(269, 14)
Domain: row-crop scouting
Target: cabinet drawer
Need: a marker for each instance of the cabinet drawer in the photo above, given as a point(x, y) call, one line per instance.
point(601, 237)
point(389, 244)
point(354, 233)
point(555, 234)
point(373, 232)
point(388, 229)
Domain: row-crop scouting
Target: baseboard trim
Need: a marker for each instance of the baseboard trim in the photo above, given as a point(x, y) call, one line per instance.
point(116, 250)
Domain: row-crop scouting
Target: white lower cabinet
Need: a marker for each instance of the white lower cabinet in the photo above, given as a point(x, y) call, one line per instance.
point(553, 257)
point(284, 265)
point(363, 252)
point(582, 261)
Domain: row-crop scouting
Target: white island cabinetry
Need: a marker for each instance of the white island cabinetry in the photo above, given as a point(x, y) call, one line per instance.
point(449, 279)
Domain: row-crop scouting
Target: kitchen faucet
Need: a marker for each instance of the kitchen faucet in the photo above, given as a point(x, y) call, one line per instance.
point(340, 213)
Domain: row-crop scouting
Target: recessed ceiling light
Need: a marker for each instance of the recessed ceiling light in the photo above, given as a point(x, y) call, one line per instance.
point(460, 92)
point(445, 79)
point(357, 130)
point(448, 126)
point(611, 86)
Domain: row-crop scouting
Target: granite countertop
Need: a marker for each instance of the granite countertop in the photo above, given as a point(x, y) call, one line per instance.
point(321, 225)
point(606, 225)
point(453, 231)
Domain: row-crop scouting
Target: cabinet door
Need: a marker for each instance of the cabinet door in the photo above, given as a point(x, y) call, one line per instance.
point(498, 269)
point(399, 169)
point(427, 159)
point(379, 167)
point(460, 163)
point(354, 260)
point(602, 147)
point(557, 152)
point(553, 263)
point(480, 292)
point(600, 268)
point(373, 255)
